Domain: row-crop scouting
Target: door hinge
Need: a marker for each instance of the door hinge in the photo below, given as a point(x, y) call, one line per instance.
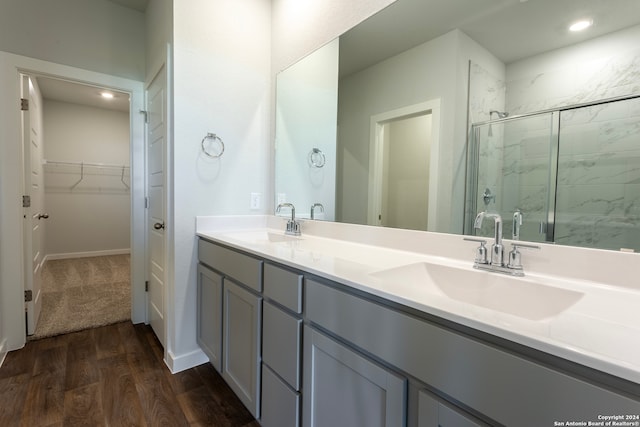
point(28, 296)
point(146, 203)
point(26, 201)
point(146, 286)
point(24, 104)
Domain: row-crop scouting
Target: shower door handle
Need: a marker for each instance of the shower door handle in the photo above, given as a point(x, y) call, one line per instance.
point(543, 227)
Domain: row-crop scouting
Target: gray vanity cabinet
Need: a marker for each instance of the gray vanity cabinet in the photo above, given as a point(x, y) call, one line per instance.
point(345, 358)
point(499, 385)
point(432, 412)
point(229, 318)
point(281, 347)
point(209, 327)
point(242, 312)
point(343, 388)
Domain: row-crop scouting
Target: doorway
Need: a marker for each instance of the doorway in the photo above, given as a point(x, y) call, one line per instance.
point(12, 304)
point(83, 177)
point(403, 167)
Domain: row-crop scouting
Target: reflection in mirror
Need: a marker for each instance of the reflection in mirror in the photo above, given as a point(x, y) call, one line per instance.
point(403, 167)
point(572, 176)
point(506, 56)
point(306, 133)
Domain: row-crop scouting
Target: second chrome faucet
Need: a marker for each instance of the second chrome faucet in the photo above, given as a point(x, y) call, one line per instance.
point(293, 226)
point(496, 260)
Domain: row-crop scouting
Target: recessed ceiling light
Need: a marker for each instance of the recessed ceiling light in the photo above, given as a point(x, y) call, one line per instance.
point(580, 25)
point(107, 95)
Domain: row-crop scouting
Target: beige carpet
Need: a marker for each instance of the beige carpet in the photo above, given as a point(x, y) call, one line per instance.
point(84, 293)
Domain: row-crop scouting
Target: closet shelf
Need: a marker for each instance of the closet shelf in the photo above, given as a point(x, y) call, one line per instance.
point(86, 177)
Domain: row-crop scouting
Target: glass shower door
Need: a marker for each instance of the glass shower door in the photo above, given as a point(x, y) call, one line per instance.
point(513, 163)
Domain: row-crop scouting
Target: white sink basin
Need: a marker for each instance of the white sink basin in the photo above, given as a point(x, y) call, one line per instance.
point(261, 237)
point(522, 297)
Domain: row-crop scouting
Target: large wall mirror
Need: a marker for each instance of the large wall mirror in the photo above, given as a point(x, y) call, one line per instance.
point(433, 110)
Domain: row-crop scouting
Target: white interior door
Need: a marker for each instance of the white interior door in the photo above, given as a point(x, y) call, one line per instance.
point(156, 140)
point(34, 190)
point(380, 164)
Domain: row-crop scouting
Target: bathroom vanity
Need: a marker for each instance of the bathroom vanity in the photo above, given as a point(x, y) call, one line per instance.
point(316, 331)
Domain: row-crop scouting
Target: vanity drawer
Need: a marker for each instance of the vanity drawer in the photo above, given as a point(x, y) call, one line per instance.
point(280, 404)
point(243, 268)
point(281, 348)
point(283, 286)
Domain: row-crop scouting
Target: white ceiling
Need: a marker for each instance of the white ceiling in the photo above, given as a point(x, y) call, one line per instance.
point(76, 93)
point(510, 29)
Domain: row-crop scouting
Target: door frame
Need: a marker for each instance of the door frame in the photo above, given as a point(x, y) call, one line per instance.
point(11, 169)
point(376, 156)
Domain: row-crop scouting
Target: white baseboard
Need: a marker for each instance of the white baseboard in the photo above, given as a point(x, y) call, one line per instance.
point(87, 254)
point(185, 361)
point(3, 351)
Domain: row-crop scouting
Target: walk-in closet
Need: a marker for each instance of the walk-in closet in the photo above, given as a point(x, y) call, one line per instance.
point(80, 144)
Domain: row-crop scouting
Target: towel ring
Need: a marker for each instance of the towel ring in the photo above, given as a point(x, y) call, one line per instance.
point(316, 158)
point(213, 137)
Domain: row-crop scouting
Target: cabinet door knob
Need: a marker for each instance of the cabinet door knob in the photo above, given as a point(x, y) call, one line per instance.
point(158, 226)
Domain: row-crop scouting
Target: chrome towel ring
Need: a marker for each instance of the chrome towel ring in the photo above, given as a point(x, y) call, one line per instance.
point(316, 158)
point(212, 139)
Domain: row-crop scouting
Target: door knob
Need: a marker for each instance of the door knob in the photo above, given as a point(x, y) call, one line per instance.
point(45, 216)
point(158, 226)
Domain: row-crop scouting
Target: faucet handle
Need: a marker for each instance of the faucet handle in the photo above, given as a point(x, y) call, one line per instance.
point(481, 251)
point(516, 245)
point(515, 260)
point(293, 228)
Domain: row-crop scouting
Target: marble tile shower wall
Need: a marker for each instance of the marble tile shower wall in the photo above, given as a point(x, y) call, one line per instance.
point(587, 81)
point(515, 184)
point(487, 93)
point(598, 188)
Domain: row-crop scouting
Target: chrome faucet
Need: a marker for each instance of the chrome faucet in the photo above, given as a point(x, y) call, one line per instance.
point(497, 250)
point(497, 264)
point(293, 226)
point(313, 209)
point(517, 222)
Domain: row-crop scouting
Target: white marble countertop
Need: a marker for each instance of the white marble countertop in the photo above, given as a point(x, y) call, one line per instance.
point(601, 330)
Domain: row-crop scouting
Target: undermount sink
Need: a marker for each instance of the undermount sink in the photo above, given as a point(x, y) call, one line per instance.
point(261, 237)
point(517, 296)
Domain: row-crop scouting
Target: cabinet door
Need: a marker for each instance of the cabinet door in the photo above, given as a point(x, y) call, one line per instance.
point(209, 329)
point(342, 388)
point(241, 344)
point(433, 413)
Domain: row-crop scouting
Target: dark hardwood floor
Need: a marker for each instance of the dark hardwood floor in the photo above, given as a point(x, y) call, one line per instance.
point(111, 376)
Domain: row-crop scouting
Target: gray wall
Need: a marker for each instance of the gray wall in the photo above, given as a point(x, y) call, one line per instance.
point(95, 35)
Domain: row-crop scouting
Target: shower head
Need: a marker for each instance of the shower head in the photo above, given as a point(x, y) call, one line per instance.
point(500, 114)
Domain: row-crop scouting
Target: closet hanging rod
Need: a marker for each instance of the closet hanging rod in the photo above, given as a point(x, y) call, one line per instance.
point(89, 164)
